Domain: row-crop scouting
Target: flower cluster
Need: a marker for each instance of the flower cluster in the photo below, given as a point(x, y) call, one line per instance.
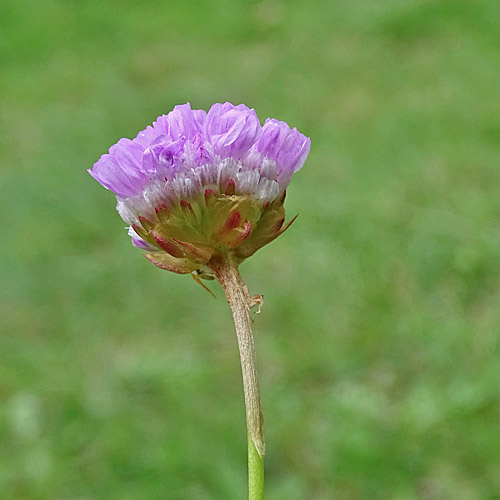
point(195, 184)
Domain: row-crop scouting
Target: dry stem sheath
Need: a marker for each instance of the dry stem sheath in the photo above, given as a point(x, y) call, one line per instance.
point(240, 302)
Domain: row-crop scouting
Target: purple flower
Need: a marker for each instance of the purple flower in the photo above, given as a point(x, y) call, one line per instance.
point(232, 130)
point(195, 183)
point(121, 170)
point(287, 147)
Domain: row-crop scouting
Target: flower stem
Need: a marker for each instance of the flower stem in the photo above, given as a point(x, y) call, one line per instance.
point(255, 472)
point(226, 272)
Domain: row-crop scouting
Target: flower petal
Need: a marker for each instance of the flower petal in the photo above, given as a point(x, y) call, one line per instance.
point(120, 171)
point(231, 130)
point(182, 121)
point(287, 147)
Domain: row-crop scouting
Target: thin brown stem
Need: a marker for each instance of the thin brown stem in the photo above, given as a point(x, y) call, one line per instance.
point(226, 272)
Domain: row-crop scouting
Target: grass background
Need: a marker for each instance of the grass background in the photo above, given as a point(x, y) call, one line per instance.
point(378, 343)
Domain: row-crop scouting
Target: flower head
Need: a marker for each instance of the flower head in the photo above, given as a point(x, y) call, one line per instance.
point(195, 184)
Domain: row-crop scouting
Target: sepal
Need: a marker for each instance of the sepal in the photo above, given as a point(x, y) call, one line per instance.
point(165, 261)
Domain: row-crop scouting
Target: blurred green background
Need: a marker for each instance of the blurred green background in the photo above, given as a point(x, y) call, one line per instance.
point(378, 342)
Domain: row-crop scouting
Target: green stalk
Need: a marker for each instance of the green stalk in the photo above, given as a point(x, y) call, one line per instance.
point(226, 272)
point(255, 472)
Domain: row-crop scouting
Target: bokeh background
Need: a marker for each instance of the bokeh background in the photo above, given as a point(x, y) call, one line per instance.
point(378, 342)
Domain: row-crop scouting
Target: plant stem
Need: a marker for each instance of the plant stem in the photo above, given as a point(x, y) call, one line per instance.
point(255, 472)
point(226, 272)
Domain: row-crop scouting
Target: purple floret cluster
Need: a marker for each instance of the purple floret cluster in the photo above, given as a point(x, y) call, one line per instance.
point(184, 152)
point(187, 139)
